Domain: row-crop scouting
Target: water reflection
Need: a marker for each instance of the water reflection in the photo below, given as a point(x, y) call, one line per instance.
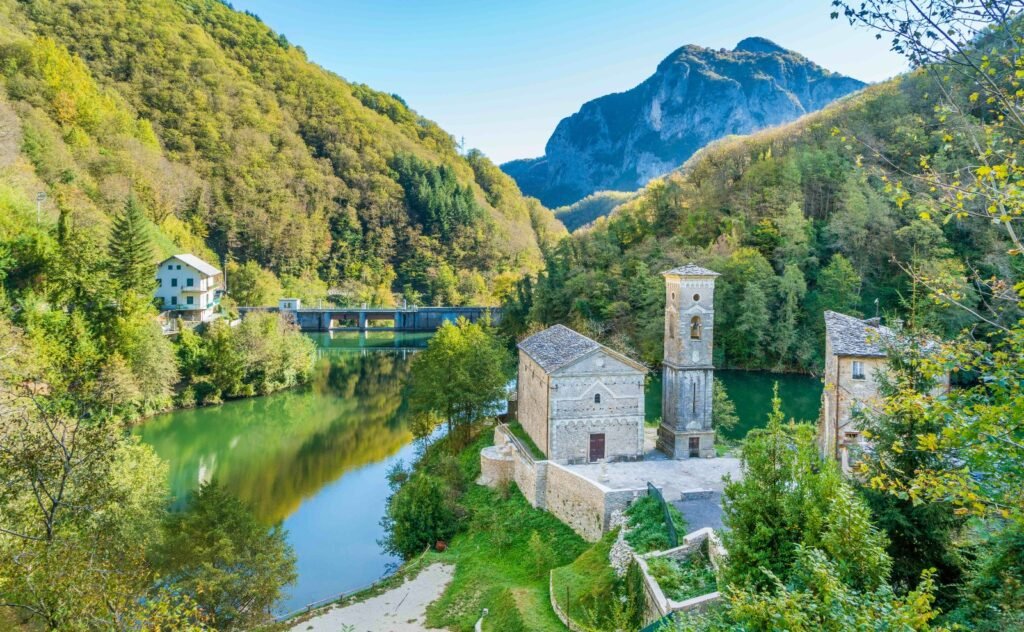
point(275, 451)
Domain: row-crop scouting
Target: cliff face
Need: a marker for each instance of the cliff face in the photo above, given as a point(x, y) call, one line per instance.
point(697, 95)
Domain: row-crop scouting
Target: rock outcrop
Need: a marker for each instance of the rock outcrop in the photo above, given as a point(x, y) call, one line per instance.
point(697, 95)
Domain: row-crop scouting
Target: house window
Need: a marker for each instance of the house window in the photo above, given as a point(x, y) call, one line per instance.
point(174, 300)
point(159, 282)
point(858, 370)
point(695, 328)
point(597, 398)
point(189, 282)
point(190, 300)
point(174, 282)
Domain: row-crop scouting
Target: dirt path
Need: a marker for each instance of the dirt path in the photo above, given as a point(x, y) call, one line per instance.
point(400, 609)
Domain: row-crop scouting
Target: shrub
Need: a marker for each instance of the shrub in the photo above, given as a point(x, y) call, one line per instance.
point(647, 529)
point(684, 579)
point(419, 513)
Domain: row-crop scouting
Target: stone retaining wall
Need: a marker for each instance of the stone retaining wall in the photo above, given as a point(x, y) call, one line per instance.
point(658, 605)
point(579, 502)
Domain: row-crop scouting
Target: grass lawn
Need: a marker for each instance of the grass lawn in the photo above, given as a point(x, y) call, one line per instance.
point(583, 587)
point(495, 567)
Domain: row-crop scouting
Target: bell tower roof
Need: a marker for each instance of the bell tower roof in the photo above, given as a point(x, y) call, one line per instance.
point(690, 270)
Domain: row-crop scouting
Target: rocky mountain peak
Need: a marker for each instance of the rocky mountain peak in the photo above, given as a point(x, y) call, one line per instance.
point(697, 95)
point(760, 45)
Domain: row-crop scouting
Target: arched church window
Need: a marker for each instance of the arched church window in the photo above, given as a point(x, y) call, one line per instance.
point(695, 328)
point(671, 330)
point(597, 398)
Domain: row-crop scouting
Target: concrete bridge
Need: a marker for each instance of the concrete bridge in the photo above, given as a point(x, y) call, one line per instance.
point(379, 318)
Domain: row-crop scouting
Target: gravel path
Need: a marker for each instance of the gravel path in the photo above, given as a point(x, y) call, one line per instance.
point(400, 609)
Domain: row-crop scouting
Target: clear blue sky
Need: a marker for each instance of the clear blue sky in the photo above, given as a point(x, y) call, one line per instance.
point(502, 74)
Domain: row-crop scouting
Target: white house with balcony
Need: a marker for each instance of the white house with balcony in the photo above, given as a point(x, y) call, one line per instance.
point(188, 287)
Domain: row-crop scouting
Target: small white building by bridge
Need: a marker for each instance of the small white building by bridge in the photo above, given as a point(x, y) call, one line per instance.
point(188, 287)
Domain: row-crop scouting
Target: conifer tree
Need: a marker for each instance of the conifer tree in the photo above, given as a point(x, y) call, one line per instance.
point(131, 249)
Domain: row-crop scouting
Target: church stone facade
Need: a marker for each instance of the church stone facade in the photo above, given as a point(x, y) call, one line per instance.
point(688, 378)
point(580, 401)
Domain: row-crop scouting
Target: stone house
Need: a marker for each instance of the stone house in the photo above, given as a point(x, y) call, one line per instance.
point(188, 287)
point(854, 353)
point(578, 400)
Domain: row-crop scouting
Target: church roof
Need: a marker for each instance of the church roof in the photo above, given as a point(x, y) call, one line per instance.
point(691, 270)
point(558, 346)
point(852, 336)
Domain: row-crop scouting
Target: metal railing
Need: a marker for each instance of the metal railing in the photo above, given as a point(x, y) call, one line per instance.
point(670, 526)
point(522, 448)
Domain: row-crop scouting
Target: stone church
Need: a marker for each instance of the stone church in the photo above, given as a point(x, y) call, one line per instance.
point(580, 401)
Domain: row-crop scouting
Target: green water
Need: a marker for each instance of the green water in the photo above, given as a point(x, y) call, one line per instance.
point(313, 458)
point(751, 392)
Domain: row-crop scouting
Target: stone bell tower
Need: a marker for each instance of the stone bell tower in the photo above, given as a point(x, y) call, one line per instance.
point(688, 377)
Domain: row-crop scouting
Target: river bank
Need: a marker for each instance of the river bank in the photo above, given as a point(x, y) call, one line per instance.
point(401, 608)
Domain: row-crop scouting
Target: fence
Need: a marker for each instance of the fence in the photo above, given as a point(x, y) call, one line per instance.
point(673, 537)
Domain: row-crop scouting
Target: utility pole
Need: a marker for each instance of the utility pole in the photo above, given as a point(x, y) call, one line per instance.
point(40, 198)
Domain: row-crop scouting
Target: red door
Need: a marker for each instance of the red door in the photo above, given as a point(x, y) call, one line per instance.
point(596, 447)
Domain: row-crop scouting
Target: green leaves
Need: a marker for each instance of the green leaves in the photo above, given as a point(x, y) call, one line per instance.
point(460, 376)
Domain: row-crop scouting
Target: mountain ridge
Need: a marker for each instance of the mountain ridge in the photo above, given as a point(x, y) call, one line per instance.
point(622, 140)
point(240, 147)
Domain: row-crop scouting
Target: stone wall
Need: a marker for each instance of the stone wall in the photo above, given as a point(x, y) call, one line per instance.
point(658, 605)
point(581, 503)
point(599, 394)
point(532, 401)
point(497, 464)
point(577, 502)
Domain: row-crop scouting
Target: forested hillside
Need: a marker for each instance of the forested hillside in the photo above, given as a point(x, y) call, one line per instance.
point(237, 146)
point(798, 219)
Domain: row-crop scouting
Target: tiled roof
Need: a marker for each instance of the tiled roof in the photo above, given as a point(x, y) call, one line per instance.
point(193, 261)
point(556, 347)
point(691, 270)
point(855, 337)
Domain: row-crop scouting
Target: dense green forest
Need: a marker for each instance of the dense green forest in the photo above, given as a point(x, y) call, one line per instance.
point(238, 147)
point(797, 219)
point(591, 207)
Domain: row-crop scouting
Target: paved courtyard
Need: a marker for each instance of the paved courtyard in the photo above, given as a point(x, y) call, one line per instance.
point(672, 477)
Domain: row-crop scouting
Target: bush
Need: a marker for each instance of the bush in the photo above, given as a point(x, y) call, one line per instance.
point(419, 513)
point(261, 355)
point(647, 529)
point(684, 579)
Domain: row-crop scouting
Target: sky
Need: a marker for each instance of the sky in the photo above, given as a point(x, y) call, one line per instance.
point(502, 74)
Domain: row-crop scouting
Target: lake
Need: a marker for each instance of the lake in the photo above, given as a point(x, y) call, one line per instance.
point(316, 458)
point(751, 392)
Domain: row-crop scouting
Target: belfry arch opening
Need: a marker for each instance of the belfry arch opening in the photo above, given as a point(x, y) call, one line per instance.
point(695, 328)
